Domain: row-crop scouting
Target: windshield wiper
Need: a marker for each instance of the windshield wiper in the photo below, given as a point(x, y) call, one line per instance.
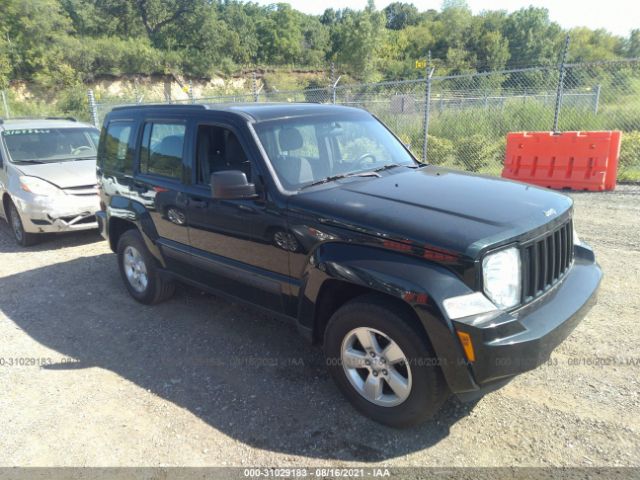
point(393, 165)
point(338, 177)
point(32, 162)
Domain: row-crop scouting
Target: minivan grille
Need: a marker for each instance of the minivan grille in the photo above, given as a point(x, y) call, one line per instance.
point(82, 190)
point(546, 260)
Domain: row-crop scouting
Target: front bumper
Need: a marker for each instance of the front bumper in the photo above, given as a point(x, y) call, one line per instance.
point(64, 213)
point(509, 343)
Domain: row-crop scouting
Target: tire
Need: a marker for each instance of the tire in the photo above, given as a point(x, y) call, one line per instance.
point(21, 237)
point(422, 377)
point(136, 263)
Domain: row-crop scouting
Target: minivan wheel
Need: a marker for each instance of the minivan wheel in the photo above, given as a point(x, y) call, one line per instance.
point(15, 222)
point(139, 270)
point(383, 363)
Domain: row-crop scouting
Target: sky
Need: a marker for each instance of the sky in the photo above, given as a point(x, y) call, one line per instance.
point(616, 16)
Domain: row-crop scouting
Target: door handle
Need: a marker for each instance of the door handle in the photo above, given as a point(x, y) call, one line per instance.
point(197, 203)
point(246, 208)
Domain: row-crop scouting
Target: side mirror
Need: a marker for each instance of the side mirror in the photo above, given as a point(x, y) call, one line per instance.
point(231, 184)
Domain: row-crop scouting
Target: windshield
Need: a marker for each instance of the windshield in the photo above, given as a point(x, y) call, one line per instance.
point(43, 145)
point(306, 151)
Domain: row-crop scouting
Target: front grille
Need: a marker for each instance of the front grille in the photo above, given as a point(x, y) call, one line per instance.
point(546, 260)
point(83, 190)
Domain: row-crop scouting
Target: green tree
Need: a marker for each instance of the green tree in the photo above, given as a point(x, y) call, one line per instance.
point(533, 38)
point(357, 39)
point(34, 33)
point(400, 15)
point(280, 36)
point(632, 45)
point(493, 51)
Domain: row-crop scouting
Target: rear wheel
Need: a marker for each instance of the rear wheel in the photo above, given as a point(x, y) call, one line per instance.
point(15, 222)
point(139, 270)
point(383, 362)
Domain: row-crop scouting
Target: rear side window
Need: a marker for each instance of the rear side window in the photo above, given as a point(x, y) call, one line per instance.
point(161, 150)
point(115, 153)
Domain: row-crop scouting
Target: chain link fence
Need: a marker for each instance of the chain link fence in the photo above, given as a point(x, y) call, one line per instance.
point(461, 121)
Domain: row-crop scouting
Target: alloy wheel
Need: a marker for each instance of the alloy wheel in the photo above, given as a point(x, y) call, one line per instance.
point(135, 269)
point(376, 366)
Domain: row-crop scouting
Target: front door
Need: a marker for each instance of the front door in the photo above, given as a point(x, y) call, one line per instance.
point(235, 241)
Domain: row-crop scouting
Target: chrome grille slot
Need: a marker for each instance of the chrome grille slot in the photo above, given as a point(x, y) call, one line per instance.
point(546, 260)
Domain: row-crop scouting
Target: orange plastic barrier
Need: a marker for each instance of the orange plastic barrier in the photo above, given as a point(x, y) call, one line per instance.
point(569, 160)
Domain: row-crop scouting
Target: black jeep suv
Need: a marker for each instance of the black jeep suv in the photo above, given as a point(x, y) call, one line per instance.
point(417, 280)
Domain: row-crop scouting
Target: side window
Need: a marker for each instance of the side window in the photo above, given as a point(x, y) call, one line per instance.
point(218, 149)
point(161, 150)
point(115, 154)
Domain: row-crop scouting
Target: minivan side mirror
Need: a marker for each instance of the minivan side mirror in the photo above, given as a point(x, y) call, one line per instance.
point(231, 184)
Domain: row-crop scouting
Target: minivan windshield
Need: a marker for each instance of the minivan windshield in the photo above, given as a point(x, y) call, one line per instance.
point(46, 145)
point(308, 151)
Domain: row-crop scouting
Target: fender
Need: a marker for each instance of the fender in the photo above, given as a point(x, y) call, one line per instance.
point(134, 212)
point(421, 284)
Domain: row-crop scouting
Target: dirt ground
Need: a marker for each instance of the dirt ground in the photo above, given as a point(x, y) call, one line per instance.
point(89, 377)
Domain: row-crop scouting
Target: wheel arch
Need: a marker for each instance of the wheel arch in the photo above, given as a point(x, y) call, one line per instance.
point(124, 214)
point(6, 198)
point(339, 273)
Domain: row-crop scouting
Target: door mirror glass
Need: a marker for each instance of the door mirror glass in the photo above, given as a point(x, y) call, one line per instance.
point(231, 184)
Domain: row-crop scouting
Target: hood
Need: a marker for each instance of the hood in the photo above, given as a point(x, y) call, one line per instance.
point(64, 174)
point(454, 210)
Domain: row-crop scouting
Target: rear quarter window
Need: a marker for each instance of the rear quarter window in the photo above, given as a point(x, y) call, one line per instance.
point(115, 149)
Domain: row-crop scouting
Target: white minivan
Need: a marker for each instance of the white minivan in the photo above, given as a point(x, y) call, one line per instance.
point(47, 176)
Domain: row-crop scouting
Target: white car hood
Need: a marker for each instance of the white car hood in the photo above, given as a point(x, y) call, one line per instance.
point(68, 174)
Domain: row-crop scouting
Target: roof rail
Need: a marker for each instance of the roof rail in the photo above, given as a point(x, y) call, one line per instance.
point(196, 106)
point(71, 119)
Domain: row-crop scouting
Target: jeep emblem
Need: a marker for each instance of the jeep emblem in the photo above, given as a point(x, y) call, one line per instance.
point(551, 211)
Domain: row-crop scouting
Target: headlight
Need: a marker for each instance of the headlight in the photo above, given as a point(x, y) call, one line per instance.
point(501, 275)
point(38, 186)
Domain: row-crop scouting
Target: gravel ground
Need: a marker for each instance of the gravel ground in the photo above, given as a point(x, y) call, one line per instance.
point(201, 381)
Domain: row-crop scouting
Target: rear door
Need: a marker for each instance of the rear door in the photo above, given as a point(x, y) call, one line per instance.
point(159, 183)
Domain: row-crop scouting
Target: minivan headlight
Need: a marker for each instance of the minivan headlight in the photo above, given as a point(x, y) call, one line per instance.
point(501, 277)
point(37, 186)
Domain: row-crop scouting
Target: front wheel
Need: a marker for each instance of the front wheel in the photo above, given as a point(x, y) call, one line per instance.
point(383, 363)
point(21, 237)
point(140, 272)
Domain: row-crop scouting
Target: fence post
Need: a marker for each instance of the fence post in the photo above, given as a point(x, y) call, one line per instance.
point(256, 93)
point(596, 100)
point(6, 105)
point(427, 101)
point(556, 115)
point(190, 92)
point(334, 88)
point(93, 107)
point(167, 90)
